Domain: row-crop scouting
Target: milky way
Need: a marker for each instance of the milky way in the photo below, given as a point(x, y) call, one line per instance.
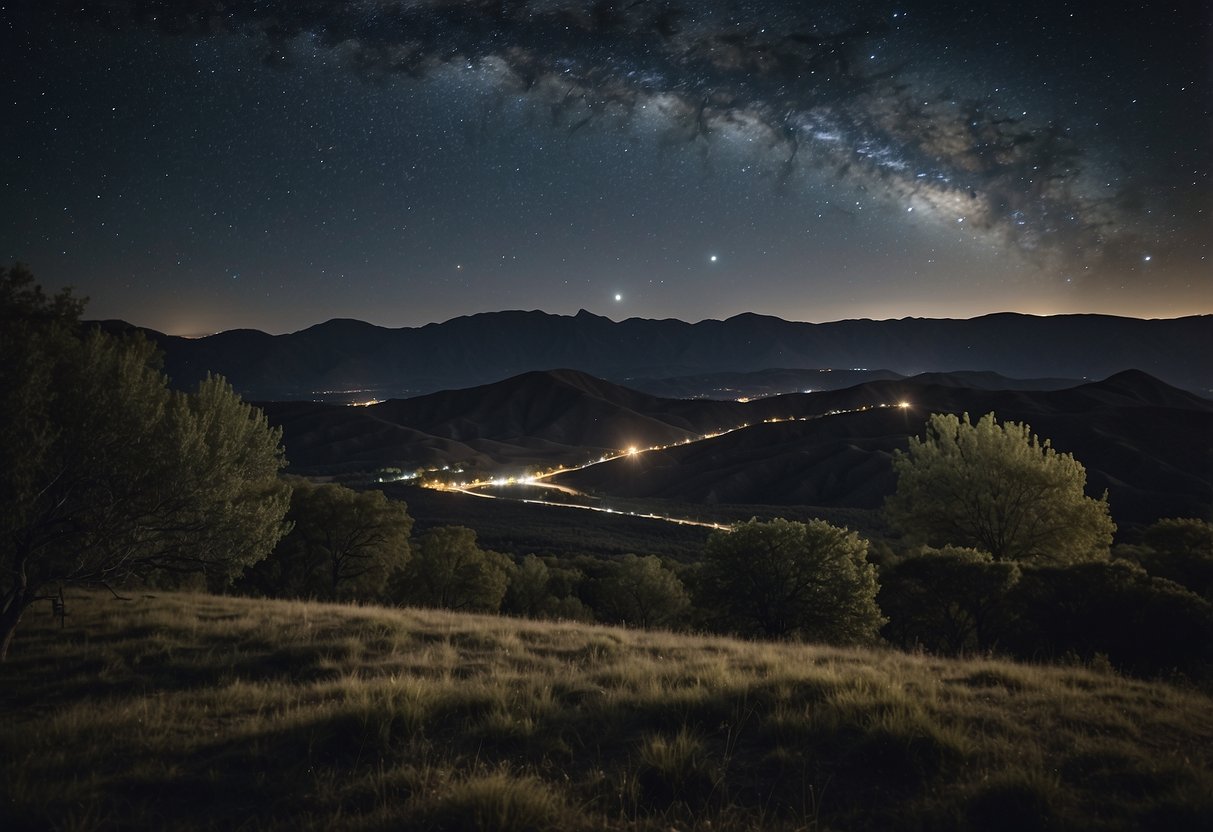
point(207, 164)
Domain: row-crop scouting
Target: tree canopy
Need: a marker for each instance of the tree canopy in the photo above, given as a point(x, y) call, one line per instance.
point(997, 488)
point(787, 579)
point(109, 474)
point(343, 545)
point(449, 570)
point(642, 591)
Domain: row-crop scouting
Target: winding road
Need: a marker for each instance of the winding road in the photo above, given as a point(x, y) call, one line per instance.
point(478, 488)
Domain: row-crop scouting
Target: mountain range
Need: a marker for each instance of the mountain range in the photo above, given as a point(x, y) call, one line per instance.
point(345, 360)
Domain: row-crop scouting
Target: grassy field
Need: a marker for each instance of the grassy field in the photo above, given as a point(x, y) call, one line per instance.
point(196, 712)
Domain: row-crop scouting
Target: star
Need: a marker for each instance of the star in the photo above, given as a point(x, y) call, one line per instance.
point(713, 258)
point(618, 297)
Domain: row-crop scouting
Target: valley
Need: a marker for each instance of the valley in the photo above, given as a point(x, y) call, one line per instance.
point(1142, 440)
point(533, 488)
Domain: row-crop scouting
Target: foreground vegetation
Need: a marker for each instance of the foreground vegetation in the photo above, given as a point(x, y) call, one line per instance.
point(201, 712)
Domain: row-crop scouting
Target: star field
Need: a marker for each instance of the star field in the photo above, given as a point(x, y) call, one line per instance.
point(195, 166)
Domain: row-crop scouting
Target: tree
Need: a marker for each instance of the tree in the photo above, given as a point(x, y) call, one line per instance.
point(537, 590)
point(449, 570)
point(528, 592)
point(786, 579)
point(344, 545)
point(997, 488)
point(948, 599)
point(641, 591)
point(108, 474)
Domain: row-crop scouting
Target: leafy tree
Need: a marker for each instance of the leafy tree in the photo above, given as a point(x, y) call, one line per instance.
point(537, 590)
point(109, 475)
point(528, 592)
point(949, 600)
point(997, 488)
point(449, 570)
point(787, 579)
point(641, 591)
point(344, 545)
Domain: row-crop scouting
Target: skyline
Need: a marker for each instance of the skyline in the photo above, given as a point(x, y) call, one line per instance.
point(272, 166)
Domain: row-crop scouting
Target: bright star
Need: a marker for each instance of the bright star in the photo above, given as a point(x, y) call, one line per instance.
point(713, 258)
point(618, 297)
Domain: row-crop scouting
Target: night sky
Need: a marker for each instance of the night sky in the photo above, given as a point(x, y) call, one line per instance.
point(198, 165)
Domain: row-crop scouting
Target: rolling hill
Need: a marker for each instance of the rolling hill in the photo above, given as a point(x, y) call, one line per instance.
point(1145, 442)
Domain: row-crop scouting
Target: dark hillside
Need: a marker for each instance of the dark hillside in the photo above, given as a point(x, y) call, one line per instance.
point(1146, 443)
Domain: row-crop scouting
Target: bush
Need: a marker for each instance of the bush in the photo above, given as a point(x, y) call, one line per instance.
point(1180, 550)
point(784, 579)
point(949, 600)
point(1143, 625)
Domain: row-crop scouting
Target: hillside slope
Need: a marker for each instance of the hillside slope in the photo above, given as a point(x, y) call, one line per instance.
point(1145, 442)
point(197, 712)
point(534, 419)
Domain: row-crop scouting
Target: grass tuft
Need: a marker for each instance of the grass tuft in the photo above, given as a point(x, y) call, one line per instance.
point(676, 769)
point(498, 802)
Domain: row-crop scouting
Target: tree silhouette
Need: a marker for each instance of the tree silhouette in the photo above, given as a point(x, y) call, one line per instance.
point(108, 474)
point(344, 545)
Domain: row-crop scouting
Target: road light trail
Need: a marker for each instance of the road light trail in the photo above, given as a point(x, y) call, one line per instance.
point(681, 521)
point(539, 480)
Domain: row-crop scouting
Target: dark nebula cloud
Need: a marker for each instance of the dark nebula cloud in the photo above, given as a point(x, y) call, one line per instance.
point(894, 103)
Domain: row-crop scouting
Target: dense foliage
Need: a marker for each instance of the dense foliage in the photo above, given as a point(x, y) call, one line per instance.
point(948, 600)
point(784, 579)
point(343, 545)
point(449, 570)
point(643, 592)
point(1181, 550)
point(107, 473)
point(997, 488)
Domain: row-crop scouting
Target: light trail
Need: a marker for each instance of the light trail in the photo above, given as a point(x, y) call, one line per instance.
point(681, 521)
point(538, 480)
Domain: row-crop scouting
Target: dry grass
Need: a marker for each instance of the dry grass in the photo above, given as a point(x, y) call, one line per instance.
point(199, 712)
